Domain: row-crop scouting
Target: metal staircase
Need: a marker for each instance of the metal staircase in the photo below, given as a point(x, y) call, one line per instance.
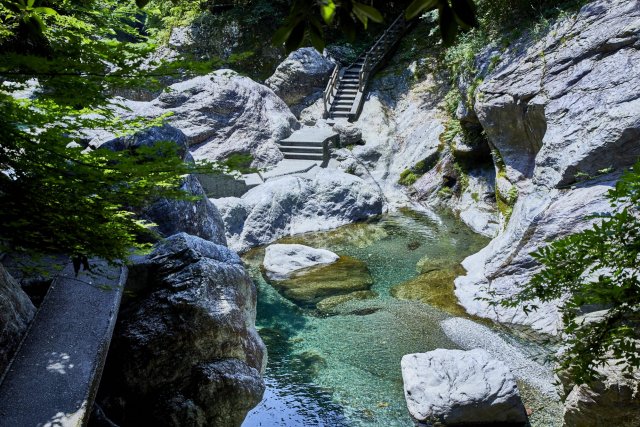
point(344, 95)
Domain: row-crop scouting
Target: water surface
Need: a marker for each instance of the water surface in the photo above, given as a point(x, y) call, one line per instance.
point(344, 369)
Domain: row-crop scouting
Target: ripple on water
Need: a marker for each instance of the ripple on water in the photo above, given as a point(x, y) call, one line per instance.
point(343, 369)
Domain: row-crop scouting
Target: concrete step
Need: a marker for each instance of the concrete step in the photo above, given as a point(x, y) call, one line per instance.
point(337, 108)
point(303, 156)
point(300, 143)
point(311, 150)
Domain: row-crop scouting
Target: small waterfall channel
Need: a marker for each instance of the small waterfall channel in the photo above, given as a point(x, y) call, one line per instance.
point(343, 369)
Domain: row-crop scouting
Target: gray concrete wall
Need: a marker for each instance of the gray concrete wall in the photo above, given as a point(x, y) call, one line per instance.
point(218, 185)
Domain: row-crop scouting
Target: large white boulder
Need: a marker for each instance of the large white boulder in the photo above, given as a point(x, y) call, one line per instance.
point(280, 260)
point(301, 78)
point(454, 387)
point(297, 204)
point(223, 113)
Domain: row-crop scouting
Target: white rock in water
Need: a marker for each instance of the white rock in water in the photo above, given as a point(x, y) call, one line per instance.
point(280, 261)
point(455, 387)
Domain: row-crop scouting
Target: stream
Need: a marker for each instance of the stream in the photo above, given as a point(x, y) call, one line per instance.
point(343, 369)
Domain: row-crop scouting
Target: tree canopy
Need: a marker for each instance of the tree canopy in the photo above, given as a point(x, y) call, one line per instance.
point(59, 64)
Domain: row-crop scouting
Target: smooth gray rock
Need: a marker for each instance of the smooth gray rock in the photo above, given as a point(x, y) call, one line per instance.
point(297, 204)
point(186, 351)
point(506, 264)
point(16, 312)
point(199, 218)
point(455, 387)
point(280, 260)
point(349, 133)
point(556, 111)
point(223, 113)
point(301, 78)
point(569, 103)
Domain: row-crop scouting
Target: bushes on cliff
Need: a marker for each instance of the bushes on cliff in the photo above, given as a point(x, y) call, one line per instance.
point(597, 269)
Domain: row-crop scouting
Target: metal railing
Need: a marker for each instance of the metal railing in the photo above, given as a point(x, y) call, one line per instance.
point(372, 58)
point(380, 49)
point(332, 87)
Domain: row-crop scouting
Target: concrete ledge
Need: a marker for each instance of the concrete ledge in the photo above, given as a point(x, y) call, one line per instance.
point(55, 374)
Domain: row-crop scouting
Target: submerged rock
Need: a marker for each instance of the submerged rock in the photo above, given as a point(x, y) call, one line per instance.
point(295, 205)
point(455, 387)
point(301, 78)
point(311, 285)
point(16, 312)
point(281, 261)
point(185, 350)
point(434, 288)
point(328, 304)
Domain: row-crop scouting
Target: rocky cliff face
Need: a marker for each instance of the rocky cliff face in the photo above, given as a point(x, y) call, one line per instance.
point(185, 350)
point(16, 311)
point(563, 117)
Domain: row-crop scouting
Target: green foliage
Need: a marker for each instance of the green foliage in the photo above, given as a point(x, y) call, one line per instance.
point(239, 162)
point(445, 192)
point(453, 128)
point(57, 194)
point(463, 176)
point(308, 19)
point(407, 178)
point(595, 268)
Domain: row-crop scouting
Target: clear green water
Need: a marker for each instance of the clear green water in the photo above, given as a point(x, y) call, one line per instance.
point(344, 370)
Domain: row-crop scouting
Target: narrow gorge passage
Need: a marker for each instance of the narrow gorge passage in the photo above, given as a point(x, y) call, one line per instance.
point(343, 368)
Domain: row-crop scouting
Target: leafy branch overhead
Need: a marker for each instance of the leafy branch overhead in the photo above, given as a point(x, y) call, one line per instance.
point(309, 19)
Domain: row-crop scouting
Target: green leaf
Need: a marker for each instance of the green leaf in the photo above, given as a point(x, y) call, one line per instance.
point(362, 10)
point(316, 38)
point(448, 25)
point(45, 11)
point(465, 13)
point(328, 11)
point(282, 34)
point(296, 37)
point(419, 6)
point(142, 3)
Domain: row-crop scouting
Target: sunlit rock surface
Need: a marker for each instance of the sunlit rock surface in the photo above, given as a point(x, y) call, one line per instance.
point(281, 261)
point(564, 115)
point(301, 78)
point(455, 387)
point(297, 204)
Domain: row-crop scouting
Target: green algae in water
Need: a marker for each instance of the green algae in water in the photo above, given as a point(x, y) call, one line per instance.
point(344, 369)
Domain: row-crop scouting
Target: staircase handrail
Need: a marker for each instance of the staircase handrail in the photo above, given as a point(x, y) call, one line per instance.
point(331, 86)
point(369, 63)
